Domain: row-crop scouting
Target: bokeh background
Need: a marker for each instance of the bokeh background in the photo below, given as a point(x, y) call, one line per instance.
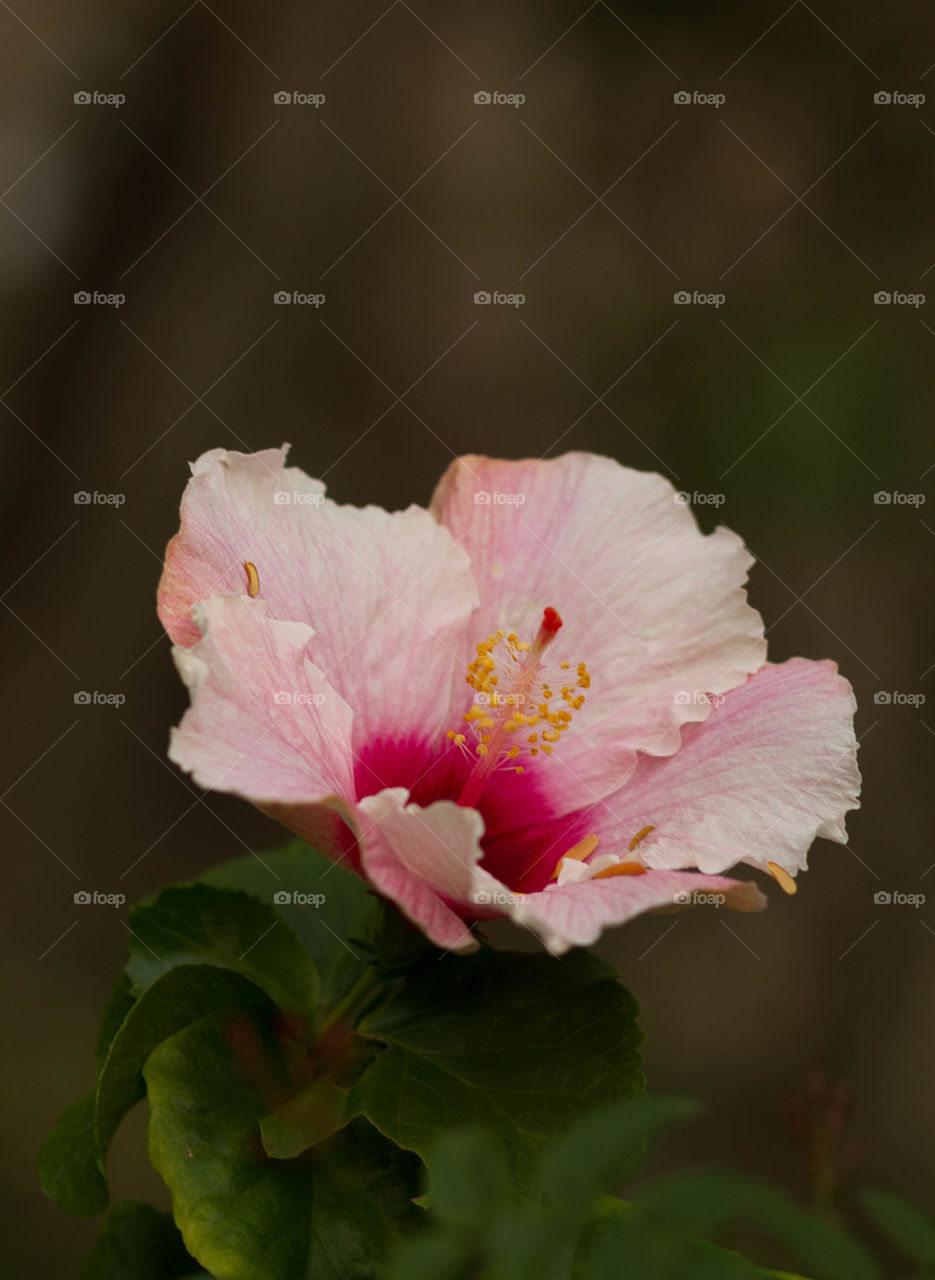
point(787, 403)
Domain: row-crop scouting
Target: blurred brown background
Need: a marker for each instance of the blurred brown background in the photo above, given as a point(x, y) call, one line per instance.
point(797, 399)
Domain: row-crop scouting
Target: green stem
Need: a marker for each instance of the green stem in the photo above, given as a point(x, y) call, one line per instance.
point(370, 978)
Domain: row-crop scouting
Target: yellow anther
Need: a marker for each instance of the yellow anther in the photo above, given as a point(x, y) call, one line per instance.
point(253, 578)
point(578, 852)
point(583, 849)
point(782, 877)
point(621, 869)
point(506, 674)
point(640, 835)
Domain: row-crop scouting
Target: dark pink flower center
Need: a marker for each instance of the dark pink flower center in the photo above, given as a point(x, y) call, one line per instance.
point(519, 710)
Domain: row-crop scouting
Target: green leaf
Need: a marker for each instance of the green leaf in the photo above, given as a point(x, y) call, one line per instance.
point(904, 1225)
point(523, 1044)
point(71, 1162)
point(315, 1113)
point(702, 1202)
point(122, 1000)
point(469, 1182)
point(435, 1255)
point(138, 1242)
point(68, 1166)
point(605, 1149)
point(331, 1214)
point(328, 931)
point(628, 1250)
point(202, 924)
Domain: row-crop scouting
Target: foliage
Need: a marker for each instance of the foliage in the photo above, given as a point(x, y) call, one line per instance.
point(332, 1098)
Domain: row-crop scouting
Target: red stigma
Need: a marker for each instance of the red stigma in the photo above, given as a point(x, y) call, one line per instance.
point(551, 620)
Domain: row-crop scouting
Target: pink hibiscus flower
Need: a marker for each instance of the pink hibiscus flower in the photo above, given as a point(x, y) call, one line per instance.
point(544, 697)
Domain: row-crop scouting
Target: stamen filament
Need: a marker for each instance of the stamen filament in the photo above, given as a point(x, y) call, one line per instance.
point(504, 718)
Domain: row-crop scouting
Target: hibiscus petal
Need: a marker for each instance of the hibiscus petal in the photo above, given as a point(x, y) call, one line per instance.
point(425, 860)
point(575, 915)
point(655, 609)
point(388, 595)
point(229, 515)
point(264, 722)
point(774, 767)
